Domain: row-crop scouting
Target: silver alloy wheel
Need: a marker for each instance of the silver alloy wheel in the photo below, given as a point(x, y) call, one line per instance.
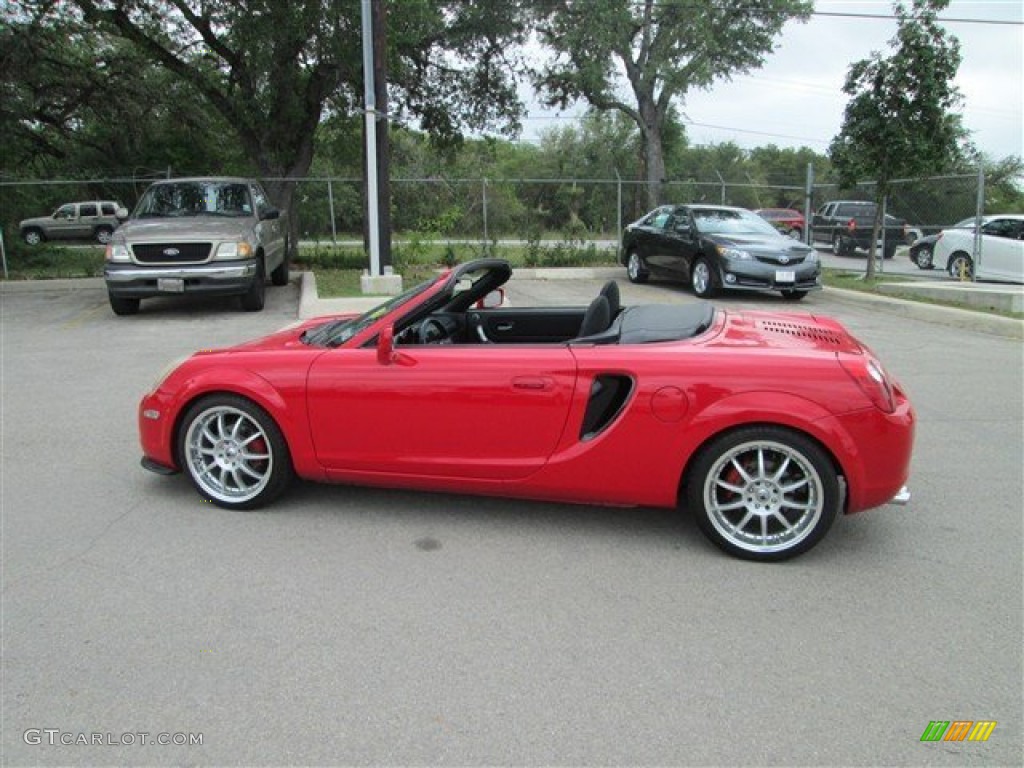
point(701, 277)
point(924, 258)
point(763, 496)
point(33, 238)
point(633, 266)
point(103, 235)
point(228, 454)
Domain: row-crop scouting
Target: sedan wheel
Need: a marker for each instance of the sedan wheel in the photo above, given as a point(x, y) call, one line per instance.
point(234, 452)
point(960, 266)
point(924, 258)
point(795, 233)
point(33, 237)
point(763, 493)
point(704, 279)
point(635, 268)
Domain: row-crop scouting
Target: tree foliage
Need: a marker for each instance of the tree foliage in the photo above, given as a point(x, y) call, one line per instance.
point(900, 122)
point(662, 49)
point(271, 70)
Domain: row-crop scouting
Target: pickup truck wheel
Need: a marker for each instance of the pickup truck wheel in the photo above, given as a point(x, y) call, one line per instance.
point(103, 235)
point(123, 306)
point(704, 279)
point(32, 236)
point(280, 275)
point(837, 246)
point(254, 298)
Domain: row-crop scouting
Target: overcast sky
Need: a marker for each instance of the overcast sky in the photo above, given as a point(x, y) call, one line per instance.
point(796, 99)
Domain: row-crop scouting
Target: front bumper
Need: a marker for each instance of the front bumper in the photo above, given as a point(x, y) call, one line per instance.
point(222, 278)
point(757, 276)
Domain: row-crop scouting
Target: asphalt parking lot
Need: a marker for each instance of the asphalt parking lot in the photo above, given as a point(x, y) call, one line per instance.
point(358, 627)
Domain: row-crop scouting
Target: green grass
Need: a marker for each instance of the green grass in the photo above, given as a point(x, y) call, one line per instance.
point(48, 262)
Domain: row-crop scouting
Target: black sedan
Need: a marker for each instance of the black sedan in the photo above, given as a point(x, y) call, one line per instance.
point(712, 247)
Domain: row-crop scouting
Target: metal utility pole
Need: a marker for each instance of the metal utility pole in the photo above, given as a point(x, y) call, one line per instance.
point(370, 142)
point(380, 87)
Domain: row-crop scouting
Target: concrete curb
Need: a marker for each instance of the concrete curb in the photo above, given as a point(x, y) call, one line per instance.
point(933, 313)
point(57, 284)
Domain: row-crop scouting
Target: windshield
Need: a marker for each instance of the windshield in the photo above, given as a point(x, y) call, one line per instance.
point(725, 221)
point(195, 198)
point(337, 333)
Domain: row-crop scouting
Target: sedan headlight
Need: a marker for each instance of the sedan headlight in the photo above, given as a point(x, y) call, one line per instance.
point(117, 252)
point(235, 250)
point(732, 253)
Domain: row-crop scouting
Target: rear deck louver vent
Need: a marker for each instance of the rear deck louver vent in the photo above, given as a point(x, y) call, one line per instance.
point(812, 332)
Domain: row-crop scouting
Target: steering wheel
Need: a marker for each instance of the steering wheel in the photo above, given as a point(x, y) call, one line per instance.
point(431, 330)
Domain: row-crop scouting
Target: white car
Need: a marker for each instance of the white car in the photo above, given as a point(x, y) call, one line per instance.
point(1002, 250)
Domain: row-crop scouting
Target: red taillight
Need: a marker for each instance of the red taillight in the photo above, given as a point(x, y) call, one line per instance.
point(872, 379)
point(851, 225)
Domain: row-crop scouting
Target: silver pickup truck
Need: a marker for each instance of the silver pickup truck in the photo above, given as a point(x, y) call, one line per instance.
point(209, 236)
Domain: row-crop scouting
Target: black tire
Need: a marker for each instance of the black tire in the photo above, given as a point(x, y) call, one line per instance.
point(837, 246)
point(123, 306)
point(636, 270)
point(960, 266)
point(103, 235)
point(33, 236)
point(704, 278)
point(778, 516)
point(233, 452)
point(254, 299)
point(280, 275)
point(924, 259)
point(791, 294)
point(890, 251)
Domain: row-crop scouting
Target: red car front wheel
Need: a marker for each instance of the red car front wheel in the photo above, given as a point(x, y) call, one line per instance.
point(234, 453)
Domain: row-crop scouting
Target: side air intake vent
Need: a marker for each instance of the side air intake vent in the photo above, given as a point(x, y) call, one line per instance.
point(812, 332)
point(608, 394)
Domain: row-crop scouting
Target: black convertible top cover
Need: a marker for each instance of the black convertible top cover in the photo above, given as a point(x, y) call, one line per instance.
point(646, 323)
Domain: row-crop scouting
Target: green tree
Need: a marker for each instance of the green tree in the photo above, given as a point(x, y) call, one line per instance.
point(665, 49)
point(899, 121)
point(272, 70)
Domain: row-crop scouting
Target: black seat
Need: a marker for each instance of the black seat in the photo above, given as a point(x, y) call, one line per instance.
point(611, 292)
point(596, 319)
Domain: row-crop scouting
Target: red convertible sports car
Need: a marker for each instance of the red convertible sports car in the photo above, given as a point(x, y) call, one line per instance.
point(764, 425)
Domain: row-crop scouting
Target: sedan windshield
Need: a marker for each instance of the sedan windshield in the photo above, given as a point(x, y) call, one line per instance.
point(725, 221)
point(195, 198)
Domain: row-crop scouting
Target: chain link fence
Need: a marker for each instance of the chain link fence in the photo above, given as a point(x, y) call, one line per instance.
point(485, 210)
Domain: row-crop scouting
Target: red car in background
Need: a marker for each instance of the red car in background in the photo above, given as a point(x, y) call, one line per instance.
point(787, 220)
point(765, 425)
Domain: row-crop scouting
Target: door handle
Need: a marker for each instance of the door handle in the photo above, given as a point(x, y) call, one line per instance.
point(504, 326)
point(535, 383)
